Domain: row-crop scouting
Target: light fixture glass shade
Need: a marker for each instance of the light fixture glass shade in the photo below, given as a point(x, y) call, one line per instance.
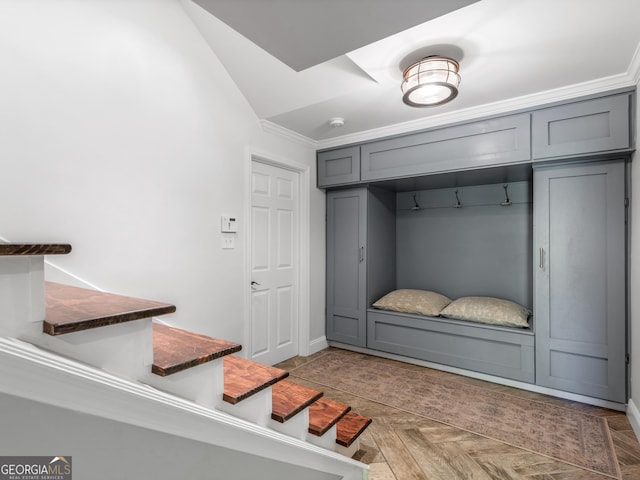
point(431, 81)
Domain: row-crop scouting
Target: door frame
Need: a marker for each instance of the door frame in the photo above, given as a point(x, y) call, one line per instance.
point(304, 261)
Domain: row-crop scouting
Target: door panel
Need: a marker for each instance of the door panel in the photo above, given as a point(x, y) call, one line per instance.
point(274, 268)
point(580, 293)
point(346, 266)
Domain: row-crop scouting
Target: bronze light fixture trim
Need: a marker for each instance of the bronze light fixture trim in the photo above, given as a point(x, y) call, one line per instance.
point(432, 81)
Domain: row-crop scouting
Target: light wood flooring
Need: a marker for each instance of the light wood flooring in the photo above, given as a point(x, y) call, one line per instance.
point(402, 446)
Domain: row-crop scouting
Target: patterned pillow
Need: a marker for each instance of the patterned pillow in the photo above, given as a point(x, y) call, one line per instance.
point(422, 302)
point(490, 310)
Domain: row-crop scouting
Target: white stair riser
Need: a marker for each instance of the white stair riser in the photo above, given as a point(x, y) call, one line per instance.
point(349, 451)
point(125, 349)
point(21, 293)
point(328, 440)
point(203, 384)
point(256, 408)
point(297, 426)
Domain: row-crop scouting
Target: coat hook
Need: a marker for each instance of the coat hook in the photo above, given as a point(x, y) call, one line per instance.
point(457, 204)
point(507, 200)
point(416, 206)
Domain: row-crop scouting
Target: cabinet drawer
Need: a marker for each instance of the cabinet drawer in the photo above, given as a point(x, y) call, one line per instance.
point(498, 141)
point(589, 126)
point(337, 167)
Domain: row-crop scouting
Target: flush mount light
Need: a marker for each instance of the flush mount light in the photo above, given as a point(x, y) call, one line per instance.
point(432, 81)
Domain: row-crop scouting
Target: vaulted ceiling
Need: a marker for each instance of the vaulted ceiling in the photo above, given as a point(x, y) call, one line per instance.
point(300, 63)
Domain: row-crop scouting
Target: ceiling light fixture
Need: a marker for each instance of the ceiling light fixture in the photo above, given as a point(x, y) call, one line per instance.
point(336, 122)
point(432, 81)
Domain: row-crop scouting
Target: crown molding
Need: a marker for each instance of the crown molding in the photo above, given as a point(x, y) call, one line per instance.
point(627, 80)
point(275, 129)
point(512, 105)
point(634, 66)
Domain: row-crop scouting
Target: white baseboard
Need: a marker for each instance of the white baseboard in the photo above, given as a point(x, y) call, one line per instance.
point(633, 414)
point(317, 345)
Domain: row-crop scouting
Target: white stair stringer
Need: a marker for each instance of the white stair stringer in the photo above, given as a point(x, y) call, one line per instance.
point(29, 372)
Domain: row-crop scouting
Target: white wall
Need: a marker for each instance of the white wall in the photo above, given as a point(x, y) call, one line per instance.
point(122, 134)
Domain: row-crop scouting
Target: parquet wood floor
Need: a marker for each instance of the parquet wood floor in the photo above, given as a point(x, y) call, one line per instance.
point(402, 446)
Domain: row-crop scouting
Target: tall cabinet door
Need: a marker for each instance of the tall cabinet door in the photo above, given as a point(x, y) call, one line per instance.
point(580, 288)
point(346, 266)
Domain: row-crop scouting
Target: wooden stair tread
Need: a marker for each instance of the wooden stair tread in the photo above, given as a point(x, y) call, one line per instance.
point(72, 309)
point(24, 249)
point(289, 398)
point(350, 427)
point(324, 414)
point(175, 350)
point(243, 378)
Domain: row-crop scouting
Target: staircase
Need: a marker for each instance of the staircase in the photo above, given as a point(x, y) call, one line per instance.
point(116, 334)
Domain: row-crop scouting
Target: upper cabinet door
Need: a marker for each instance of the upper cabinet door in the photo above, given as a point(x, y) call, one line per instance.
point(339, 167)
point(589, 126)
point(499, 141)
point(579, 288)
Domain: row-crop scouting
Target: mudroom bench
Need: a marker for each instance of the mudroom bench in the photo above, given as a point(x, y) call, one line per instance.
point(502, 351)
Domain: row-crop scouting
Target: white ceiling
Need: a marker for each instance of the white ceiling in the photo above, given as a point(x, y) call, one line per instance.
point(511, 53)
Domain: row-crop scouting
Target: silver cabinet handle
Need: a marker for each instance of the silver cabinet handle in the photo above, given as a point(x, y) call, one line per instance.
point(541, 258)
point(361, 255)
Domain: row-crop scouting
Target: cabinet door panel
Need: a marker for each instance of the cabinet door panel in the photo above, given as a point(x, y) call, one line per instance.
point(338, 167)
point(346, 266)
point(486, 143)
point(590, 126)
point(580, 292)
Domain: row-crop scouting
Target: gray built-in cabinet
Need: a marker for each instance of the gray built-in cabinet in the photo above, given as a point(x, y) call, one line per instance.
point(575, 156)
point(361, 261)
point(580, 289)
point(599, 125)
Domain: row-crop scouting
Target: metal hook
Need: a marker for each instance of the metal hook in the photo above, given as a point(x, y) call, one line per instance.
point(416, 206)
point(507, 200)
point(457, 204)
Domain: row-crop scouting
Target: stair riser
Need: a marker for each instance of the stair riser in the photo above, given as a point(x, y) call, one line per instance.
point(203, 384)
point(349, 451)
point(297, 426)
point(328, 440)
point(21, 294)
point(124, 349)
point(255, 409)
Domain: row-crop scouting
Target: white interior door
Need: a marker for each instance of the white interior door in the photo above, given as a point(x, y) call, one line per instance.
point(274, 263)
